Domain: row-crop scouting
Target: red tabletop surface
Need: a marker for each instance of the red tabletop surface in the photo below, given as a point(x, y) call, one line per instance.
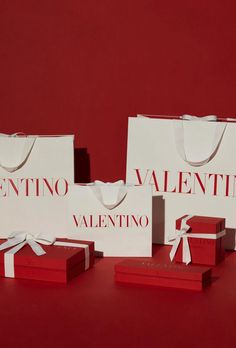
point(93, 311)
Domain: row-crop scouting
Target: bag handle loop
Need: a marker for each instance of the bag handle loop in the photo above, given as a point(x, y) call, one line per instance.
point(179, 137)
point(28, 146)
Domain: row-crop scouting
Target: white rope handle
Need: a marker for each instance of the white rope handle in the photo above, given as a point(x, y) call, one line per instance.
point(109, 194)
point(28, 146)
point(179, 137)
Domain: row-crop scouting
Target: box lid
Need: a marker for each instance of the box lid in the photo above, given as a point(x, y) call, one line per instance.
point(163, 270)
point(56, 257)
point(203, 224)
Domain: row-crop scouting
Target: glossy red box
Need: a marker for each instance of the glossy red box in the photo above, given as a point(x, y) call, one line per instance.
point(59, 264)
point(153, 273)
point(203, 251)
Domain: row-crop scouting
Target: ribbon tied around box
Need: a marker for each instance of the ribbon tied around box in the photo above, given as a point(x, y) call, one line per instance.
point(17, 240)
point(183, 235)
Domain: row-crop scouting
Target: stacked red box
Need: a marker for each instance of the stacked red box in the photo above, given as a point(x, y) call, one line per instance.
point(205, 251)
point(153, 273)
point(59, 264)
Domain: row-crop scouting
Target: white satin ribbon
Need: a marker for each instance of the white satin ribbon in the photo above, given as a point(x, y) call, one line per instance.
point(77, 245)
point(18, 240)
point(182, 234)
point(197, 118)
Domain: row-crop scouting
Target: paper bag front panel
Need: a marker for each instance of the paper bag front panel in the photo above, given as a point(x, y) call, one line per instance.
point(178, 187)
point(125, 230)
point(32, 198)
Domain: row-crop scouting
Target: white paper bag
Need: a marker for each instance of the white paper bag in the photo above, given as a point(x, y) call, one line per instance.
point(191, 165)
point(35, 172)
point(117, 217)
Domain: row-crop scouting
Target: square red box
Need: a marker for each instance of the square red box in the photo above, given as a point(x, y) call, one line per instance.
point(59, 264)
point(203, 251)
point(153, 273)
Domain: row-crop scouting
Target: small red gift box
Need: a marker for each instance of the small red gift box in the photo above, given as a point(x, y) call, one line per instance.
point(152, 273)
point(62, 261)
point(204, 238)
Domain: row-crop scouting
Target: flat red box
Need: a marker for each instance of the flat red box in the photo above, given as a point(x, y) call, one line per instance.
point(59, 264)
point(153, 273)
point(203, 251)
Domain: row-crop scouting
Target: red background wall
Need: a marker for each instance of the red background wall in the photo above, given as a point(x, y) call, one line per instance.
point(84, 66)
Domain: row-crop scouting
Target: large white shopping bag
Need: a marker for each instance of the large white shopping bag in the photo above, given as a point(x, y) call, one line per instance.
point(190, 163)
point(35, 172)
point(116, 216)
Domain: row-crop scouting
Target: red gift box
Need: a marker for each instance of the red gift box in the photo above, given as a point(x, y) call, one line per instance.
point(63, 260)
point(152, 273)
point(208, 248)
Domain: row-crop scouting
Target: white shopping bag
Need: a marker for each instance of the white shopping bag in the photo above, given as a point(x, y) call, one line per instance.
point(35, 172)
point(116, 216)
point(190, 163)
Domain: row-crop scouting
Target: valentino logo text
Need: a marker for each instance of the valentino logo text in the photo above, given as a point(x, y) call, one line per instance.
point(33, 187)
point(211, 184)
point(104, 221)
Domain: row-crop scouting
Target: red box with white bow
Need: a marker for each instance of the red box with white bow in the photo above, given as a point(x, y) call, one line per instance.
point(199, 240)
point(59, 262)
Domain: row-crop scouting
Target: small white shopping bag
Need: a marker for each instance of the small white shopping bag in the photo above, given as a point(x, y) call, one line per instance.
point(116, 216)
point(190, 163)
point(35, 172)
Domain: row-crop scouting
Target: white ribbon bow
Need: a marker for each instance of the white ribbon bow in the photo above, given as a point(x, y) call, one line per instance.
point(197, 118)
point(18, 239)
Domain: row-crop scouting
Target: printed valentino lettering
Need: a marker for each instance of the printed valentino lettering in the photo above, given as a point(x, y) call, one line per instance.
point(33, 187)
point(162, 265)
point(103, 221)
point(202, 242)
point(211, 184)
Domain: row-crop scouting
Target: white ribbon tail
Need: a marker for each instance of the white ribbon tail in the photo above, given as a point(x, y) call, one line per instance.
point(186, 250)
point(182, 234)
point(174, 248)
point(38, 250)
point(9, 264)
